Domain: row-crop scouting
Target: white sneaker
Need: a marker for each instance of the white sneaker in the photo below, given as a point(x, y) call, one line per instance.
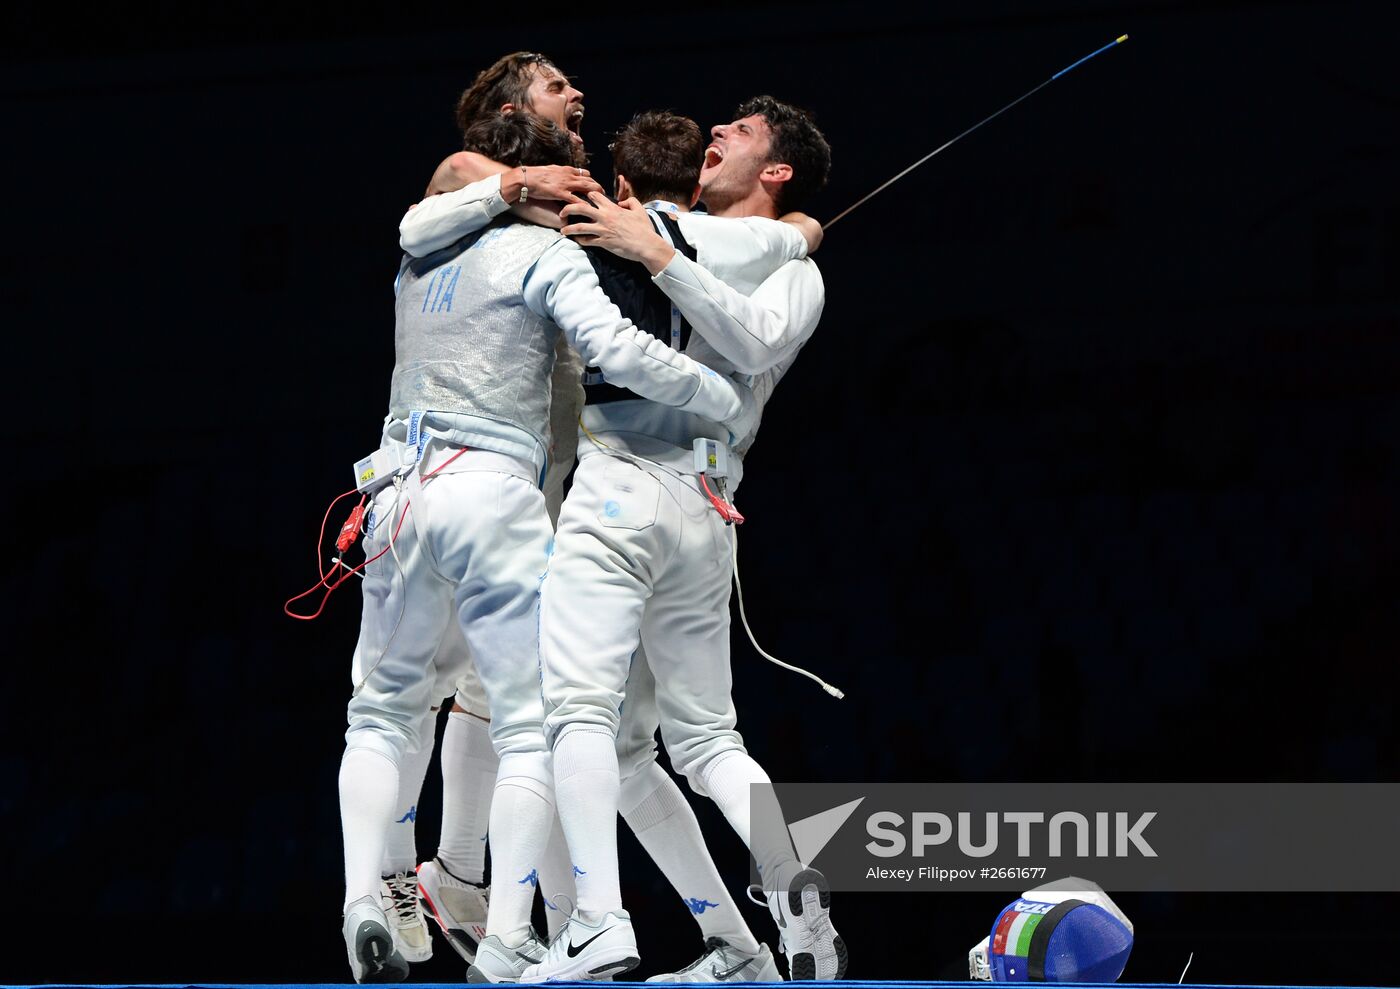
point(411, 938)
point(803, 914)
point(583, 952)
point(722, 962)
point(459, 907)
point(369, 945)
point(497, 963)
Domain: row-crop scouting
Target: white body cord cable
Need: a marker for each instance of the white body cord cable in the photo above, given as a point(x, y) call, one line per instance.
point(743, 617)
point(833, 691)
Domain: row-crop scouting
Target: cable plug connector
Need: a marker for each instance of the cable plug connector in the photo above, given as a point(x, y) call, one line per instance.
point(353, 571)
point(726, 509)
point(350, 531)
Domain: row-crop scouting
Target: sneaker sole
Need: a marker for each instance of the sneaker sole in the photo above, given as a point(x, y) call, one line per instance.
point(379, 962)
point(809, 897)
point(477, 977)
point(603, 972)
point(456, 938)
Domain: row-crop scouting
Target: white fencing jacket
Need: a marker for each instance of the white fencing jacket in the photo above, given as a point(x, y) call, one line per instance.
point(752, 297)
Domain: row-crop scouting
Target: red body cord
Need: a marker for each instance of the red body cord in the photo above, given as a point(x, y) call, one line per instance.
point(728, 512)
point(348, 534)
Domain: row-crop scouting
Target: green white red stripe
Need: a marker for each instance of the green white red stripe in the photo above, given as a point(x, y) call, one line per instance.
point(1021, 931)
point(1013, 934)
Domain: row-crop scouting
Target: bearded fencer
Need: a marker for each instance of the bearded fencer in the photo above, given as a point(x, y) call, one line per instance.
point(451, 884)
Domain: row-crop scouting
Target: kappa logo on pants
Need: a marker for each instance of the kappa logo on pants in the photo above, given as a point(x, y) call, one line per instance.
point(698, 906)
point(410, 817)
point(533, 879)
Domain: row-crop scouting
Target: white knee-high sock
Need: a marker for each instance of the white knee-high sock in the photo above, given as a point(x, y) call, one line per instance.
point(728, 779)
point(521, 813)
point(665, 824)
point(400, 848)
point(556, 878)
point(469, 769)
point(586, 785)
point(369, 784)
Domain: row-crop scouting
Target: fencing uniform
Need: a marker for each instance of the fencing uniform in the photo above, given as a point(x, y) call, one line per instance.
point(721, 260)
point(476, 328)
point(641, 557)
point(620, 424)
point(759, 334)
point(688, 609)
point(452, 880)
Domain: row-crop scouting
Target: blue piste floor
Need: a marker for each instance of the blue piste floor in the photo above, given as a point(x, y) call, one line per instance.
point(847, 984)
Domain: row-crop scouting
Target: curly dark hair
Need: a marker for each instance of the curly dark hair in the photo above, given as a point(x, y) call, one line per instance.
point(660, 153)
point(520, 138)
point(796, 141)
point(507, 80)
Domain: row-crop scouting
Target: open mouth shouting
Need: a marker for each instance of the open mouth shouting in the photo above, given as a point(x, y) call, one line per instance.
point(714, 160)
point(573, 122)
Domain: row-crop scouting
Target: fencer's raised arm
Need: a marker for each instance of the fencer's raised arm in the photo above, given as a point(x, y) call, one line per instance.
point(563, 287)
point(811, 229)
point(756, 331)
point(741, 251)
point(445, 219)
point(455, 207)
point(458, 169)
point(752, 332)
point(732, 248)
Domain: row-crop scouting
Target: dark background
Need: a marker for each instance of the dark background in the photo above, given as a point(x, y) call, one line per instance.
point(1088, 474)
